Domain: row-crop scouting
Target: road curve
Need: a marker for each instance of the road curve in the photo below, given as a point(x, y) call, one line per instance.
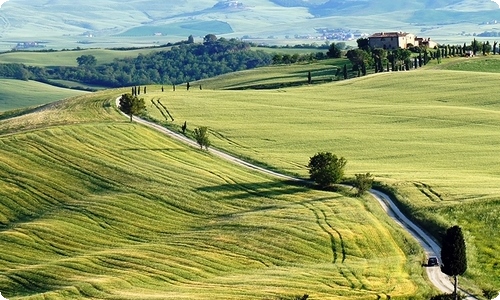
point(440, 280)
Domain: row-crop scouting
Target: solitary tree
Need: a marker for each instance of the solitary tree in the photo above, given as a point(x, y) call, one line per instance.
point(363, 182)
point(131, 105)
point(201, 136)
point(309, 77)
point(326, 168)
point(190, 39)
point(453, 255)
point(184, 127)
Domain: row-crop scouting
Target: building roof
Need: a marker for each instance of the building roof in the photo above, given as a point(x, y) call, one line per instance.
point(388, 34)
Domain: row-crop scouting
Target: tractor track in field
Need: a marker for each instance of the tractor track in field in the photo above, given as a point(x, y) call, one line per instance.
point(440, 280)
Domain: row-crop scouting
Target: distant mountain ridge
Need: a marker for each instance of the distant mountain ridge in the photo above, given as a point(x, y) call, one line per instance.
point(110, 21)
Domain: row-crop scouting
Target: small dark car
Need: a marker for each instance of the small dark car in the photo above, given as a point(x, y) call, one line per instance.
point(432, 261)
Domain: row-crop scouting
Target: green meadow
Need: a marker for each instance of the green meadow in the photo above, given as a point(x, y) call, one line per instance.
point(68, 57)
point(17, 94)
point(430, 135)
point(274, 77)
point(95, 207)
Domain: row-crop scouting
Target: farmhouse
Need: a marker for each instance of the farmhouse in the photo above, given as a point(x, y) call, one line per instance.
point(395, 40)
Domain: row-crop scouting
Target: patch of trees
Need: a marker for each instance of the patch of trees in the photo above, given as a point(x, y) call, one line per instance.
point(183, 63)
point(326, 169)
point(379, 60)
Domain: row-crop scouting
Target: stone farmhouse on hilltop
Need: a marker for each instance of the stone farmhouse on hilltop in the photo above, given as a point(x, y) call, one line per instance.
point(395, 40)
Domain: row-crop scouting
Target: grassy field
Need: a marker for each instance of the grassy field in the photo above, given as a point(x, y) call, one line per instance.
point(474, 64)
point(68, 58)
point(93, 206)
point(17, 94)
point(278, 76)
point(430, 134)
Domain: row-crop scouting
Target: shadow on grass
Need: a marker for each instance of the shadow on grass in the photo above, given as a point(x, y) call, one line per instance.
point(244, 191)
point(154, 149)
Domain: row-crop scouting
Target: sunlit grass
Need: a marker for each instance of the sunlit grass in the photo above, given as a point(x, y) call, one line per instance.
point(432, 134)
point(18, 94)
point(68, 58)
point(93, 206)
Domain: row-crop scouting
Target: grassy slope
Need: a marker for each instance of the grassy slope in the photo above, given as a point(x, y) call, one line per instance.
point(433, 134)
point(17, 94)
point(68, 58)
point(278, 76)
point(93, 206)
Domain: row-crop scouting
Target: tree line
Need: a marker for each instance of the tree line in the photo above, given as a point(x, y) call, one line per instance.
point(182, 63)
point(364, 57)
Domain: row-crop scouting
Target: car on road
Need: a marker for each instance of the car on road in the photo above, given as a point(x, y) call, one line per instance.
point(432, 261)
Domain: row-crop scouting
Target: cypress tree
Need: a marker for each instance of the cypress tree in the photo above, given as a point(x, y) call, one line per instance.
point(345, 71)
point(453, 255)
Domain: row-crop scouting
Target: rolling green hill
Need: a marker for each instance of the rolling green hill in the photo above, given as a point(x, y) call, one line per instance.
point(68, 58)
point(93, 206)
point(18, 94)
point(429, 134)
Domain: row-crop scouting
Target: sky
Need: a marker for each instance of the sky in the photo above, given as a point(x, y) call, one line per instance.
point(496, 1)
point(3, 1)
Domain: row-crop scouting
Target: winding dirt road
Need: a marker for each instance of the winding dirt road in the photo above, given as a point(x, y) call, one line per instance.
point(440, 280)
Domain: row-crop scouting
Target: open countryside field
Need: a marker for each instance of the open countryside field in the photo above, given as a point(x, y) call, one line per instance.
point(96, 207)
point(431, 134)
point(18, 93)
point(277, 76)
point(68, 58)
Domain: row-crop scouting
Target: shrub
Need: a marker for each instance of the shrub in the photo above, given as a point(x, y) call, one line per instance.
point(201, 136)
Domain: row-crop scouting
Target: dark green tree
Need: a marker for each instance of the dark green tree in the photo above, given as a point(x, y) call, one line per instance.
point(333, 51)
point(201, 137)
point(363, 183)
point(309, 77)
point(209, 39)
point(131, 105)
point(359, 59)
point(363, 44)
point(86, 61)
point(475, 47)
point(184, 127)
point(345, 71)
point(190, 39)
point(380, 59)
point(453, 255)
point(326, 168)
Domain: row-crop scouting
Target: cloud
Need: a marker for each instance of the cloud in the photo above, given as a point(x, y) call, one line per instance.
point(497, 2)
point(2, 298)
